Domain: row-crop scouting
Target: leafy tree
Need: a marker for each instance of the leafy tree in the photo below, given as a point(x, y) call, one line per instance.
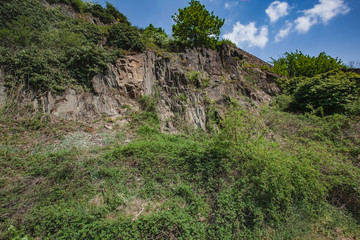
point(297, 64)
point(195, 26)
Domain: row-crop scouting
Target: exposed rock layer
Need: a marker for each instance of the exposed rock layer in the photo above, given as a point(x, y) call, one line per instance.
point(184, 83)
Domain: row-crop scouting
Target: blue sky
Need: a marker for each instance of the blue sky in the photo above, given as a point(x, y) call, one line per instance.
point(268, 28)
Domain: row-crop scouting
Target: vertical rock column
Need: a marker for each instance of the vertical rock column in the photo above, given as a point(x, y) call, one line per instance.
point(2, 89)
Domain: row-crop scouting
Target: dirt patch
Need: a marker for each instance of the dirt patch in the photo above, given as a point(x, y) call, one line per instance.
point(136, 207)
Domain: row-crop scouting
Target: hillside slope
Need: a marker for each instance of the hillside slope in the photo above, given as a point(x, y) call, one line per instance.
point(107, 141)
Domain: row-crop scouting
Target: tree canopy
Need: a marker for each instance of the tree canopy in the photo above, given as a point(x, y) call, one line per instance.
point(195, 26)
point(298, 64)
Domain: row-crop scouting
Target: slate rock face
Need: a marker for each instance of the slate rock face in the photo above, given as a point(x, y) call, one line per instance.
point(184, 83)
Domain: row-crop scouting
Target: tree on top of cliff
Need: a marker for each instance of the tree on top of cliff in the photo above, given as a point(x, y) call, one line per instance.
point(195, 26)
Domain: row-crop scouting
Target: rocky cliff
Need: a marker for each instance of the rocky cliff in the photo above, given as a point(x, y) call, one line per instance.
point(184, 84)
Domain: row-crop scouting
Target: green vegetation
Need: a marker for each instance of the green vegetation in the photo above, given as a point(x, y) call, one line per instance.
point(319, 85)
point(197, 79)
point(126, 37)
point(259, 173)
point(195, 26)
point(43, 50)
point(329, 92)
point(78, 5)
point(235, 184)
point(106, 15)
point(156, 37)
point(299, 65)
point(228, 42)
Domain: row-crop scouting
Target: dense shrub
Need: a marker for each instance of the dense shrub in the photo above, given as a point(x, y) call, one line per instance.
point(331, 92)
point(85, 62)
point(38, 17)
point(35, 68)
point(98, 11)
point(47, 51)
point(78, 5)
point(297, 64)
point(126, 37)
point(118, 16)
point(85, 32)
point(319, 84)
point(106, 15)
point(155, 36)
point(45, 69)
point(20, 34)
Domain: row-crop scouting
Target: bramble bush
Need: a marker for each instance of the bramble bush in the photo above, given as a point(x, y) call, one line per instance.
point(44, 69)
point(36, 69)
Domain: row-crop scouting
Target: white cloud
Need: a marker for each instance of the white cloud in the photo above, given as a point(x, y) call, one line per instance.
point(277, 10)
point(248, 35)
point(229, 5)
point(327, 9)
point(284, 32)
point(323, 12)
point(304, 23)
